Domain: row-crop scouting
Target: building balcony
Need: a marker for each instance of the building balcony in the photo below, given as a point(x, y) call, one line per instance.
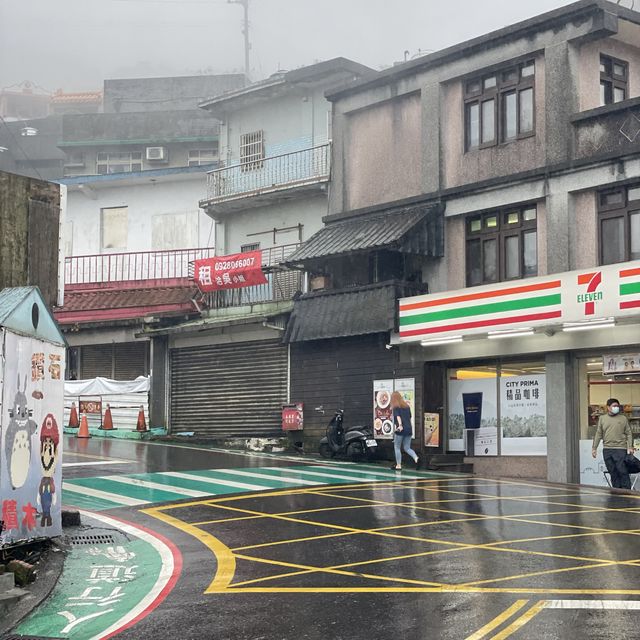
point(253, 184)
point(124, 286)
point(282, 284)
point(609, 131)
point(120, 268)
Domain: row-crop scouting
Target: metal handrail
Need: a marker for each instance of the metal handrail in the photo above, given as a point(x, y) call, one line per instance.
point(269, 174)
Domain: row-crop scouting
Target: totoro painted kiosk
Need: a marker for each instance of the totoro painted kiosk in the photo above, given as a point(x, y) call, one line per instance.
point(31, 405)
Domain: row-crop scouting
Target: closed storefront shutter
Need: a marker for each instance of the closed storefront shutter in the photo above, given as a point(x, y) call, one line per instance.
point(229, 390)
point(131, 360)
point(96, 360)
point(120, 361)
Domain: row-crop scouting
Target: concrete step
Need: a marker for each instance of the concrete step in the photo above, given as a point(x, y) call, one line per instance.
point(454, 467)
point(9, 598)
point(7, 582)
point(445, 457)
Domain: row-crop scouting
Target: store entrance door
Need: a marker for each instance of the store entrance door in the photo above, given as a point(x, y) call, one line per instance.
point(601, 378)
point(433, 407)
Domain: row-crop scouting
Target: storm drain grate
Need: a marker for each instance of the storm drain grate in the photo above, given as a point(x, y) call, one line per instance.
point(91, 539)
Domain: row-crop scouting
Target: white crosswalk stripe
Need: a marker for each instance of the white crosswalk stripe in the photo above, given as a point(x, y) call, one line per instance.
point(266, 476)
point(218, 481)
point(136, 482)
point(324, 474)
point(104, 495)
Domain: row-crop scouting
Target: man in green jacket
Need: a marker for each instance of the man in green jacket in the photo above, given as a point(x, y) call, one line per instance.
point(617, 441)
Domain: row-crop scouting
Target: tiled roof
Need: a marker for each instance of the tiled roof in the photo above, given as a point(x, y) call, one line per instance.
point(85, 97)
point(337, 314)
point(126, 303)
point(388, 229)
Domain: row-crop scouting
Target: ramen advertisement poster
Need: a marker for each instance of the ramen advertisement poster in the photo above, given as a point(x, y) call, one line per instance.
point(382, 413)
point(32, 384)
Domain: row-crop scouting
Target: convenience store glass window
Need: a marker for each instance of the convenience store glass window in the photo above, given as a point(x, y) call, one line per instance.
point(498, 409)
point(596, 388)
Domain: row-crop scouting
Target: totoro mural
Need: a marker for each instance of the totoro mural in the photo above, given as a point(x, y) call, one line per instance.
point(18, 438)
point(30, 440)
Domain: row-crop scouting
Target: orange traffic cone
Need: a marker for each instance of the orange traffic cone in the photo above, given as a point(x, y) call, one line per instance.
point(107, 423)
point(73, 417)
point(83, 432)
point(142, 425)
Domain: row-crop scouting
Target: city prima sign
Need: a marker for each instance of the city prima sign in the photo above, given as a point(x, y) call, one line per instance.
point(612, 291)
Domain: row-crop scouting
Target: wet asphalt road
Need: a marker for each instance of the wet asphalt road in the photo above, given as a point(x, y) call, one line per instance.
point(432, 557)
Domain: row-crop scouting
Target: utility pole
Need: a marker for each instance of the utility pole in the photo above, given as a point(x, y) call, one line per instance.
point(245, 33)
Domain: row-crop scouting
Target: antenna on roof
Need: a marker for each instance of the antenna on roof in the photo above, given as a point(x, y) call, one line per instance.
point(633, 2)
point(245, 33)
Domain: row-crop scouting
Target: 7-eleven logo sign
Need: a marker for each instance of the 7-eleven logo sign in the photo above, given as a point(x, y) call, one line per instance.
point(589, 298)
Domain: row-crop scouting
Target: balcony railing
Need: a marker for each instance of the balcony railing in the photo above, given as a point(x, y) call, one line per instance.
point(141, 265)
point(281, 284)
point(270, 174)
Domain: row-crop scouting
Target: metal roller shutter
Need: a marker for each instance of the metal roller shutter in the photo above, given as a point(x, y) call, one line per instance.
point(96, 360)
point(229, 390)
point(120, 361)
point(131, 360)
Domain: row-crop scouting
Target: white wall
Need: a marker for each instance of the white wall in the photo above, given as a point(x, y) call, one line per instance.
point(240, 227)
point(144, 201)
point(290, 123)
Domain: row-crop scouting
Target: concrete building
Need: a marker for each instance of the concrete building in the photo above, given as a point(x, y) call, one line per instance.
point(522, 147)
point(227, 373)
point(134, 173)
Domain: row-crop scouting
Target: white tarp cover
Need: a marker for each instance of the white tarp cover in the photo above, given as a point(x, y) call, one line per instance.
point(105, 387)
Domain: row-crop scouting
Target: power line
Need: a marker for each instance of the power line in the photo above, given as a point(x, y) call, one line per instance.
point(17, 143)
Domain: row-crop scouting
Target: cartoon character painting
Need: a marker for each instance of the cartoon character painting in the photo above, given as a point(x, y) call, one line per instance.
point(49, 441)
point(18, 438)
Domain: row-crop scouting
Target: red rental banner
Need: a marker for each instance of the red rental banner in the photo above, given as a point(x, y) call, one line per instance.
point(229, 272)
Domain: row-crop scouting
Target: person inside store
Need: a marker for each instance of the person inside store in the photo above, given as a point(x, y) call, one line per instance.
point(617, 441)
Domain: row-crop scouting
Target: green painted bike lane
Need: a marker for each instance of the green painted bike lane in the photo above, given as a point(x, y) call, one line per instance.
point(106, 588)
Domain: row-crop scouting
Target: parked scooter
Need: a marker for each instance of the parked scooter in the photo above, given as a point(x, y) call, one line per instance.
point(356, 441)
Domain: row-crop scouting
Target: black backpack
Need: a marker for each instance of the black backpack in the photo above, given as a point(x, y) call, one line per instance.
point(633, 464)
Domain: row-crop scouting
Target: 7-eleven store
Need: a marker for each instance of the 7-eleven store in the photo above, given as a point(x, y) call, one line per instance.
point(528, 366)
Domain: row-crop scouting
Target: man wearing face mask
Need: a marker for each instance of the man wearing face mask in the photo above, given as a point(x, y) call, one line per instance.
point(617, 441)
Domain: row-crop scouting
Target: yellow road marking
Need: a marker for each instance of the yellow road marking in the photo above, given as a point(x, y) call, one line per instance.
point(310, 569)
point(498, 620)
point(226, 562)
point(544, 572)
point(226, 558)
point(521, 621)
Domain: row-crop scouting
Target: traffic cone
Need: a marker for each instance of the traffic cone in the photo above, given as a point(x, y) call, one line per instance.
point(142, 425)
point(73, 417)
point(107, 423)
point(83, 432)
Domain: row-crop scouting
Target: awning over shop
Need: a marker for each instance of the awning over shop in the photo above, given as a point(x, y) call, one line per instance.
point(367, 310)
point(415, 230)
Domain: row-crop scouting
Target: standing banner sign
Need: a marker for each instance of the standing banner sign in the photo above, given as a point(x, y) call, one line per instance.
point(523, 414)
point(229, 272)
point(382, 412)
point(431, 429)
point(31, 442)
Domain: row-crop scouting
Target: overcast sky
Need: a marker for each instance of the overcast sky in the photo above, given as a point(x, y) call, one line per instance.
point(75, 44)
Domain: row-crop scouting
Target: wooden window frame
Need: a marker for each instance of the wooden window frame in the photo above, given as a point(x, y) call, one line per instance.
point(500, 234)
point(508, 80)
point(612, 80)
point(624, 210)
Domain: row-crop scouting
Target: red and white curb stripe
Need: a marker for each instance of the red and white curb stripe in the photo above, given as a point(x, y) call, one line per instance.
point(166, 581)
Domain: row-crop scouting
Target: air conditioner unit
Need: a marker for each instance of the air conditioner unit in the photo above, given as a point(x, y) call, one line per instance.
point(156, 154)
